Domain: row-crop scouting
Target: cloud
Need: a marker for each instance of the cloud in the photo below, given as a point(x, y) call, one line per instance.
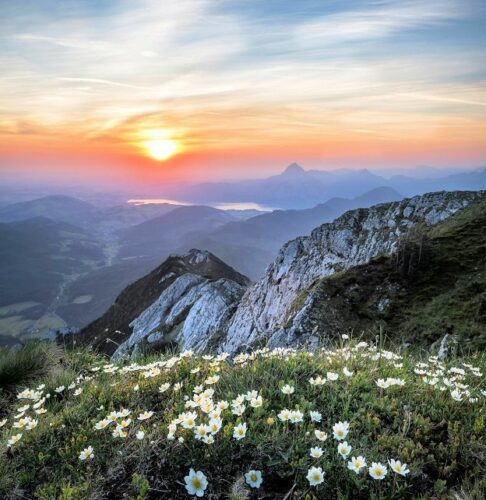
point(225, 77)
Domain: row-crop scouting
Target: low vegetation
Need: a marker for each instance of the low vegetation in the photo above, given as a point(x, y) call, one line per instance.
point(356, 421)
point(35, 360)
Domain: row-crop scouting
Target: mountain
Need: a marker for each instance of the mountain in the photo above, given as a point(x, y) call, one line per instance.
point(433, 285)
point(188, 299)
point(119, 217)
point(299, 189)
point(162, 235)
point(293, 188)
point(251, 245)
point(55, 207)
point(351, 240)
point(38, 257)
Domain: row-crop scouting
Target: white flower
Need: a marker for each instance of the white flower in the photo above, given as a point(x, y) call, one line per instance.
point(87, 454)
point(320, 435)
point(20, 424)
point(346, 372)
point(125, 423)
point(238, 410)
point(196, 483)
point(119, 432)
point(315, 416)
point(189, 420)
point(212, 380)
point(315, 476)
point(288, 389)
point(3, 422)
point(316, 452)
point(284, 415)
point(317, 381)
point(215, 425)
point(78, 391)
point(356, 464)
point(256, 402)
point(344, 449)
point(140, 435)
point(296, 416)
point(340, 430)
point(399, 468)
point(208, 439)
point(123, 413)
point(59, 389)
point(201, 431)
point(164, 387)
point(456, 395)
point(378, 471)
point(331, 376)
point(14, 439)
point(102, 424)
point(222, 405)
point(239, 432)
point(32, 424)
point(41, 411)
point(253, 478)
point(145, 415)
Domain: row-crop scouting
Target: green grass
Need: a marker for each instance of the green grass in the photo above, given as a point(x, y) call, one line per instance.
point(442, 440)
point(36, 359)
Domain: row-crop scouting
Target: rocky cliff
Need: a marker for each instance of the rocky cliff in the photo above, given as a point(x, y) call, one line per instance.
point(355, 238)
point(186, 301)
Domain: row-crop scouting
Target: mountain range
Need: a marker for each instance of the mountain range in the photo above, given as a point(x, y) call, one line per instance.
point(299, 188)
point(370, 268)
point(65, 260)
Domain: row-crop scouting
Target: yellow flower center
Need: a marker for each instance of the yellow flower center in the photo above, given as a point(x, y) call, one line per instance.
point(253, 477)
point(196, 483)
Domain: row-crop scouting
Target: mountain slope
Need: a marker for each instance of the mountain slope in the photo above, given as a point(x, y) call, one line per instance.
point(55, 207)
point(251, 245)
point(179, 275)
point(38, 257)
point(433, 285)
point(164, 233)
point(353, 239)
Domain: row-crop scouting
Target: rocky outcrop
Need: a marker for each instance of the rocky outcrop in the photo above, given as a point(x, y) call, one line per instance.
point(353, 239)
point(192, 313)
point(153, 309)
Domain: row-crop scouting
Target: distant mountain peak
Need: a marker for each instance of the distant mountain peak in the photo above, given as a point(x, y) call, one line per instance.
point(293, 169)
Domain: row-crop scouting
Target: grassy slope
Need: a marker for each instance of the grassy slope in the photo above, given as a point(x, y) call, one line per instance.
point(447, 294)
point(442, 440)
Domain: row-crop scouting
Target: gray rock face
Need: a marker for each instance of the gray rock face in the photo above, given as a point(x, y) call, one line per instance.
point(352, 239)
point(193, 312)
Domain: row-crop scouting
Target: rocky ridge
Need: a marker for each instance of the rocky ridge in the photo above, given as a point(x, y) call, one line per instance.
point(187, 300)
point(352, 239)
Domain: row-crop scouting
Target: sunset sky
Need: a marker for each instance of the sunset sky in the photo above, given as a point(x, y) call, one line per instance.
point(163, 90)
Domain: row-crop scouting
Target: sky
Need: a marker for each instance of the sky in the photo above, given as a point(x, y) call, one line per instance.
point(100, 91)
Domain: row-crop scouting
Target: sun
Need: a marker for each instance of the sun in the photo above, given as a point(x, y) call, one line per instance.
point(161, 149)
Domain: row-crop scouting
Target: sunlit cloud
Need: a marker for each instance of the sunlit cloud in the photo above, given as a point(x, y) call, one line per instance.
point(220, 79)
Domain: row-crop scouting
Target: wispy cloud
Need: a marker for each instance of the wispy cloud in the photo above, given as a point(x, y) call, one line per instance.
point(226, 77)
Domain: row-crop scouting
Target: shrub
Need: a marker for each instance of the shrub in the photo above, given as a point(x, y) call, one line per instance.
point(32, 361)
